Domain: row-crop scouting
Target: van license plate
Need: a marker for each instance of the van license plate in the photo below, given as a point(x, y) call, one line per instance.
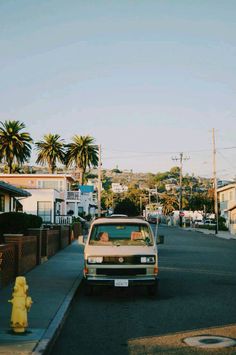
point(121, 283)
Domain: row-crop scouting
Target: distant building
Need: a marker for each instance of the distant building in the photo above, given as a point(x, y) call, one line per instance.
point(227, 200)
point(170, 187)
point(118, 188)
point(88, 203)
point(221, 183)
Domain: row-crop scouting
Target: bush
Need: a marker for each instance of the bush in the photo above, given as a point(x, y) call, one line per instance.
point(88, 217)
point(17, 222)
point(221, 223)
point(126, 206)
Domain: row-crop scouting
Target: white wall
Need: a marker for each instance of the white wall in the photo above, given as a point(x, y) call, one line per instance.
point(39, 195)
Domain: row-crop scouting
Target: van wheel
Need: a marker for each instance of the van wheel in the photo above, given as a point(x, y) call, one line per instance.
point(153, 290)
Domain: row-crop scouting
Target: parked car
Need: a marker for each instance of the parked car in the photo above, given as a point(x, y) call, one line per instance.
point(206, 222)
point(152, 218)
point(121, 252)
point(209, 222)
point(197, 222)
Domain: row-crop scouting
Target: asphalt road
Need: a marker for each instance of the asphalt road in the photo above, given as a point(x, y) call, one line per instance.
point(197, 291)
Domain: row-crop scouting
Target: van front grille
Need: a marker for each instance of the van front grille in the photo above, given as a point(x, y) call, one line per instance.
point(121, 272)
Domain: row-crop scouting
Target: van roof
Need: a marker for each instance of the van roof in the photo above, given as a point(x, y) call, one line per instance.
point(118, 220)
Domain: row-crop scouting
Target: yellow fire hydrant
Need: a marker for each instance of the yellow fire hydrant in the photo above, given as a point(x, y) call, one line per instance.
point(21, 303)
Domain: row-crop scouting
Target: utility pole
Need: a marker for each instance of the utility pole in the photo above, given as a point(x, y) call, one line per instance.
point(215, 180)
point(99, 180)
point(181, 158)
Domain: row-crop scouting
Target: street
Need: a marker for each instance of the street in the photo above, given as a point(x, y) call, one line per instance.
point(197, 291)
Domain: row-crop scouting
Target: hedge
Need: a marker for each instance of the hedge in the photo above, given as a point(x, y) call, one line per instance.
point(17, 222)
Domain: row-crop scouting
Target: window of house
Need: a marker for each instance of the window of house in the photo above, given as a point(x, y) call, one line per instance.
point(222, 197)
point(44, 210)
point(80, 210)
point(49, 184)
point(2, 203)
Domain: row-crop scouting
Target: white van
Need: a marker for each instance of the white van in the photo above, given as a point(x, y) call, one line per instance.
point(121, 252)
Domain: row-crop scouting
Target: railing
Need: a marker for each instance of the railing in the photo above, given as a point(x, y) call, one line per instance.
point(73, 195)
point(63, 219)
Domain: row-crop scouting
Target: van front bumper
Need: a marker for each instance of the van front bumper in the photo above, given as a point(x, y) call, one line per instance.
point(110, 281)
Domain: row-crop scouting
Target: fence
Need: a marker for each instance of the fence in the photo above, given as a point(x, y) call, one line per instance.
point(20, 253)
point(7, 264)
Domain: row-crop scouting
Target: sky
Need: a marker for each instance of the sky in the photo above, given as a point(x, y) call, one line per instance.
point(147, 79)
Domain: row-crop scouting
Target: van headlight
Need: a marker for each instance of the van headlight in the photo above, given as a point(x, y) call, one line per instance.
point(95, 259)
point(148, 259)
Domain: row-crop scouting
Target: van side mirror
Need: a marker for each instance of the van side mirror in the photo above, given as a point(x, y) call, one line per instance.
point(160, 239)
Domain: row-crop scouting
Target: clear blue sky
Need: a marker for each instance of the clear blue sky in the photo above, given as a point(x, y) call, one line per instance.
point(147, 79)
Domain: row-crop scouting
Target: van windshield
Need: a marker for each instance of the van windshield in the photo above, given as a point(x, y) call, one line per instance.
point(121, 234)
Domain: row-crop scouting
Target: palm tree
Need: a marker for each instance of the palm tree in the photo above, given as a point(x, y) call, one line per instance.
point(169, 203)
point(15, 145)
point(50, 151)
point(82, 153)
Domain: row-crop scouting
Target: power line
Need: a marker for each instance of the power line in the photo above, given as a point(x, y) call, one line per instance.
point(168, 152)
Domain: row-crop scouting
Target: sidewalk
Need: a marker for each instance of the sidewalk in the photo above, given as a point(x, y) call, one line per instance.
point(220, 234)
point(52, 286)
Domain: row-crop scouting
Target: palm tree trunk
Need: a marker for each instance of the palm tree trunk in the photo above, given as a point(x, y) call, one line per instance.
point(81, 176)
point(10, 166)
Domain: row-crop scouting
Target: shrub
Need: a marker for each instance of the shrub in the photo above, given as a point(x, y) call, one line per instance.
point(88, 217)
point(221, 223)
point(17, 222)
point(126, 206)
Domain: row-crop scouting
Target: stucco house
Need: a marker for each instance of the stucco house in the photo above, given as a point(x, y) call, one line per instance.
point(89, 202)
point(52, 197)
point(227, 200)
point(11, 197)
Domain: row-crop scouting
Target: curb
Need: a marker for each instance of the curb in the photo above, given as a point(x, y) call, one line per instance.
point(211, 234)
point(49, 337)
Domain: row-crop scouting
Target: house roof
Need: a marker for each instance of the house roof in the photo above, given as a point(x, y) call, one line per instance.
point(226, 187)
point(13, 190)
point(41, 176)
point(86, 188)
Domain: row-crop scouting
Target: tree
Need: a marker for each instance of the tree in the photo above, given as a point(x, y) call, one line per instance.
point(202, 202)
point(15, 147)
point(169, 203)
point(175, 171)
point(50, 151)
point(82, 153)
point(107, 199)
point(126, 206)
